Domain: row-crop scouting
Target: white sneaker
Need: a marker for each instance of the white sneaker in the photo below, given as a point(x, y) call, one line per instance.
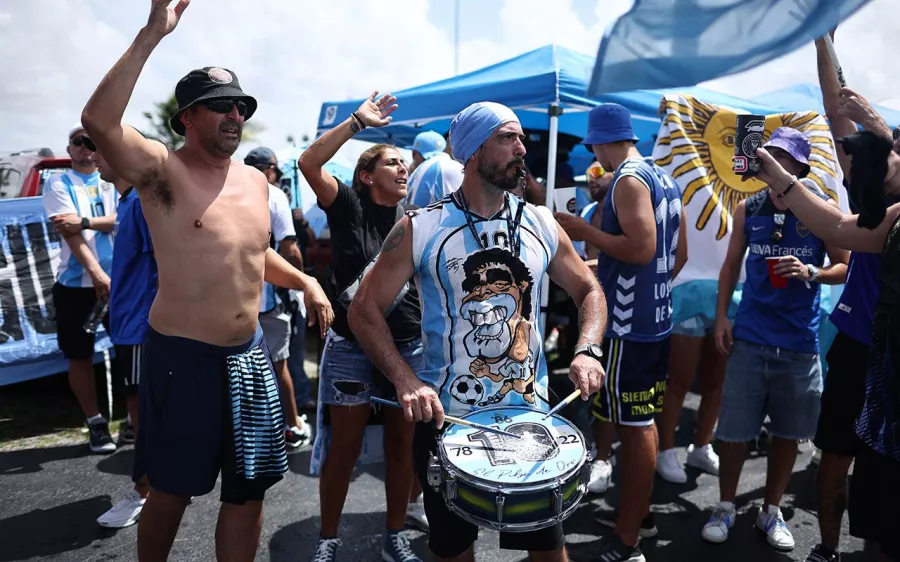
point(415, 515)
point(703, 458)
point(816, 456)
point(777, 533)
point(125, 513)
point(721, 520)
point(669, 467)
point(601, 472)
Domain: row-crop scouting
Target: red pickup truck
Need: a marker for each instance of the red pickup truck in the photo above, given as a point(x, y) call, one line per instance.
point(23, 175)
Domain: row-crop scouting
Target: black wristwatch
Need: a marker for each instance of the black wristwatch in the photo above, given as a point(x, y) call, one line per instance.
point(85, 223)
point(591, 350)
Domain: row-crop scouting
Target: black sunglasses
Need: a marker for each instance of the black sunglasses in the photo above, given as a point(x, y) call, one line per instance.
point(82, 140)
point(896, 133)
point(225, 106)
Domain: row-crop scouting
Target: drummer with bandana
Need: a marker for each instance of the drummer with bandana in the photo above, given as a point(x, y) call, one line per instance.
point(478, 258)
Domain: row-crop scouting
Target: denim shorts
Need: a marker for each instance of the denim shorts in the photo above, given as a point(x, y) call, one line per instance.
point(762, 380)
point(349, 378)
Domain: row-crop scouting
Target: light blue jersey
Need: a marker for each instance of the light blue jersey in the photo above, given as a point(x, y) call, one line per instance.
point(86, 196)
point(434, 179)
point(481, 324)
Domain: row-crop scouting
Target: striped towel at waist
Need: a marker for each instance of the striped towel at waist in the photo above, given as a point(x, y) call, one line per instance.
point(257, 419)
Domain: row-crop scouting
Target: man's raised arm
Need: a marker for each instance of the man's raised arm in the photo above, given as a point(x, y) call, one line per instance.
point(126, 150)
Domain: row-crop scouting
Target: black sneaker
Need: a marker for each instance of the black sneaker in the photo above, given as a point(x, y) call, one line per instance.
point(612, 549)
point(823, 554)
point(126, 435)
point(609, 518)
point(101, 440)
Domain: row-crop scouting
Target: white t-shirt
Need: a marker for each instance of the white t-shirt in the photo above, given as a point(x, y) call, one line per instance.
point(282, 226)
point(86, 196)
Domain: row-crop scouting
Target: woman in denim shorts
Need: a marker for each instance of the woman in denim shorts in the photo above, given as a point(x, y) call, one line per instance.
point(360, 216)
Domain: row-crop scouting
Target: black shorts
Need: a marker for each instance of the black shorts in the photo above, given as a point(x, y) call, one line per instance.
point(187, 434)
point(129, 359)
point(73, 307)
point(843, 397)
point(636, 374)
point(450, 535)
point(874, 497)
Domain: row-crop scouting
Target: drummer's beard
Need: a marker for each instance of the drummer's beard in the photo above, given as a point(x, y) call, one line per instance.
point(492, 319)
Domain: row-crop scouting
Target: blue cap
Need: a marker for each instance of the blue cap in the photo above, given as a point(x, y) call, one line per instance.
point(429, 143)
point(474, 125)
point(791, 141)
point(609, 122)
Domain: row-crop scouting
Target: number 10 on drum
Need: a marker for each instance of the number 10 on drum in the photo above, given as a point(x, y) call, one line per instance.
point(452, 419)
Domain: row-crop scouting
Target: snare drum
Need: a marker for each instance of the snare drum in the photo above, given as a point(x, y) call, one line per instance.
point(509, 484)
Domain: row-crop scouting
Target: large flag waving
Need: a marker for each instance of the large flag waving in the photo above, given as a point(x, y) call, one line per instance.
point(672, 43)
point(696, 145)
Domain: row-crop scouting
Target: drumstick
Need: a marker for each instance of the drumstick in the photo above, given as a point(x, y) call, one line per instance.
point(563, 404)
point(451, 419)
point(829, 44)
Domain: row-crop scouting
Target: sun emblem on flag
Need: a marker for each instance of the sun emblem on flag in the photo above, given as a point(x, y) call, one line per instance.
point(700, 140)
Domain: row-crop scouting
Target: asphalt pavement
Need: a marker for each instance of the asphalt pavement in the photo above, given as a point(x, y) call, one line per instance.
point(51, 497)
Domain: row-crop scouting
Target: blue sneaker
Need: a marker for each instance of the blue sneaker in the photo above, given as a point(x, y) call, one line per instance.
point(326, 550)
point(396, 548)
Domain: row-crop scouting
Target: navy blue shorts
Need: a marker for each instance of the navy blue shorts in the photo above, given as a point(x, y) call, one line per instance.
point(186, 435)
point(636, 374)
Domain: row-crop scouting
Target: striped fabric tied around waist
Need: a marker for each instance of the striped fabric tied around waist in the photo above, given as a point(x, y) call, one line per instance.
point(257, 418)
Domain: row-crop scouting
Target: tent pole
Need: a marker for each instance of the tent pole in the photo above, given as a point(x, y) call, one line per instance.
point(555, 111)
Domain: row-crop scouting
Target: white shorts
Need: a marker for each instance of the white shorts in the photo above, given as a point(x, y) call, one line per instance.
point(276, 327)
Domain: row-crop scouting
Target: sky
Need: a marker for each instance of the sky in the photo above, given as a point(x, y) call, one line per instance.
point(294, 55)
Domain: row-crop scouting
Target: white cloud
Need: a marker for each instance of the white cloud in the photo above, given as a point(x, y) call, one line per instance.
point(293, 56)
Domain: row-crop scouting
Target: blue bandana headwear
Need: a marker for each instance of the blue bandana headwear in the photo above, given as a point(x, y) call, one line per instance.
point(474, 125)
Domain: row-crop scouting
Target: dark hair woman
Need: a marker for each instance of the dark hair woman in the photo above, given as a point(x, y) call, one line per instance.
point(360, 216)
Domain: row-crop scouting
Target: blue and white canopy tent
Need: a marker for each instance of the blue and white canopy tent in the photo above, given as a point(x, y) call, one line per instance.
point(546, 87)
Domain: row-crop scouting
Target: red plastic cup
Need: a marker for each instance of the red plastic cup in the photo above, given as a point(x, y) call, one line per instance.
point(777, 281)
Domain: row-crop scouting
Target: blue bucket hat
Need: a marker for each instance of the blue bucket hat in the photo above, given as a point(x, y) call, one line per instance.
point(429, 143)
point(607, 123)
point(791, 141)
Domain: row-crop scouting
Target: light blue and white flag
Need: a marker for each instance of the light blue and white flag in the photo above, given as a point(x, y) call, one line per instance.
point(673, 43)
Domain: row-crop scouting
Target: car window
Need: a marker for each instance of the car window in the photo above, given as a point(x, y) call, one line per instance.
point(46, 173)
point(10, 181)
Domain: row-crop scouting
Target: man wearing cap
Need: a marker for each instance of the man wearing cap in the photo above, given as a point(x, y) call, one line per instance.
point(478, 258)
point(773, 365)
point(82, 207)
point(435, 175)
point(638, 242)
point(205, 353)
point(274, 316)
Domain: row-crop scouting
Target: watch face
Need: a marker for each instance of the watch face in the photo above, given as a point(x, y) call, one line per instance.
point(596, 350)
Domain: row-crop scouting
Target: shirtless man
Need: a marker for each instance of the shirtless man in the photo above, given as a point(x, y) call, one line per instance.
point(209, 220)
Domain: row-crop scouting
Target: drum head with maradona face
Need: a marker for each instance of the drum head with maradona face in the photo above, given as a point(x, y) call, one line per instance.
point(546, 450)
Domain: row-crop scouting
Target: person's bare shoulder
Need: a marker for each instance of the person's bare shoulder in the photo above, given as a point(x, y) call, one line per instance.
point(253, 177)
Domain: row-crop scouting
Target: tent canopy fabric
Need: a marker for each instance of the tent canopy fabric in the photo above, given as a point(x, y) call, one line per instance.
point(529, 84)
point(806, 97)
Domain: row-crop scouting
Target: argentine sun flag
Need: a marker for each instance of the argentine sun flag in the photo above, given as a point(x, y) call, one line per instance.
point(672, 43)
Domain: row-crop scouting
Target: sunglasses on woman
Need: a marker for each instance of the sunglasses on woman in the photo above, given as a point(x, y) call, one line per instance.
point(225, 106)
point(84, 141)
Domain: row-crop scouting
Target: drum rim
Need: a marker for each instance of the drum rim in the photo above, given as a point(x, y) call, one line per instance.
point(448, 467)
